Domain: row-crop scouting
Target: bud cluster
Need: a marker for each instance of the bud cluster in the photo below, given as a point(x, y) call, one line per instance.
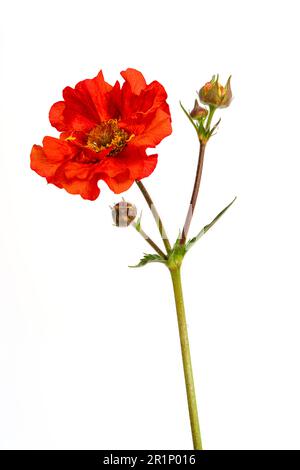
point(213, 95)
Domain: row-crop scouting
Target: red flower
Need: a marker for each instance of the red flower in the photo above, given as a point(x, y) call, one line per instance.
point(105, 132)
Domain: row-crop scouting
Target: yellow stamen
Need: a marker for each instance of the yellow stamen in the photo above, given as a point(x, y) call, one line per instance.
point(108, 135)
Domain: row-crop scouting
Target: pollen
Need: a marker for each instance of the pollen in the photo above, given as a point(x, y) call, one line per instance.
point(108, 135)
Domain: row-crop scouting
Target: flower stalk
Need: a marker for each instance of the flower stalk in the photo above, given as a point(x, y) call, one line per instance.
point(194, 196)
point(212, 110)
point(149, 240)
point(155, 214)
point(186, 358)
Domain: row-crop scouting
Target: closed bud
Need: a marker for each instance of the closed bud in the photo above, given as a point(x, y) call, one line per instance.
point(123, 213)
point(214, 94)
point(198, 112)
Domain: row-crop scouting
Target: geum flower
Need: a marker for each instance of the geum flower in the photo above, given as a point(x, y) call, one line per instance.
point(105, 131)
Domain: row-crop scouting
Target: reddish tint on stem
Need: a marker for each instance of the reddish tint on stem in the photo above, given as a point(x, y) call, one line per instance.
point(104, 133)
point(194, 196)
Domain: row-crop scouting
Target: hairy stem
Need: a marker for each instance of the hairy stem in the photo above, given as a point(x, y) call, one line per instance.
point(149, 240)
point(194, 196)
point(186, 359)
point(212, 110)
point(155, 215)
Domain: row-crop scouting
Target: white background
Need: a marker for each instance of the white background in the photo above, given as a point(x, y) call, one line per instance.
point(89, 350)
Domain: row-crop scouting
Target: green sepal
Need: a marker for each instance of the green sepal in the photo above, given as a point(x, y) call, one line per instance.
point(205, 229)
point(149, 258)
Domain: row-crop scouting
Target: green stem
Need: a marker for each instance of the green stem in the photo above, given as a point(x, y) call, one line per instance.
point(186, 358)
point(210, 116)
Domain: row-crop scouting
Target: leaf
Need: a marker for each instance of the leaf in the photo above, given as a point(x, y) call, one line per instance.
point(205, 229)
point(188, 116)
point(149, 258)
point(211, 132)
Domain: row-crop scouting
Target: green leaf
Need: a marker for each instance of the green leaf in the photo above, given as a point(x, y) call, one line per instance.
point(188, 116)
point(149, 258)
point(205, 229)
point(211, 132)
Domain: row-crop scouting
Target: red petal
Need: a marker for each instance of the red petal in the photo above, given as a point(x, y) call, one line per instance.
point(78, 114)
point(139, 164)
point(87, 189)
point(155, 131)
point(88, 103)
point(56, 116)
point(58, 150)
point(41, 164)
point(119, 183)
point(78, 178)
point(96, 93)
point(47, 159)
point(76, 170)
point(137, 107)
point(83, 107)
point(150, 163)
point(135, 79)
point(153, 97)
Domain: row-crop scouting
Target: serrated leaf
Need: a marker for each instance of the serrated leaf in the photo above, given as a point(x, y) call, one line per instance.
point(149, 258)
point(205, 229)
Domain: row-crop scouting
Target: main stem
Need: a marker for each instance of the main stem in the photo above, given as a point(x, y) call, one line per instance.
point(186, 358)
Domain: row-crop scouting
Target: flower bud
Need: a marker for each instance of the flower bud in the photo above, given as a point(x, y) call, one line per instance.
point(214, 94)
point(123, 213)
point(198, 112)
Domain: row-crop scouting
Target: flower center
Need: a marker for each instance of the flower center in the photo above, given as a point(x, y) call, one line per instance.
point(106, 135)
